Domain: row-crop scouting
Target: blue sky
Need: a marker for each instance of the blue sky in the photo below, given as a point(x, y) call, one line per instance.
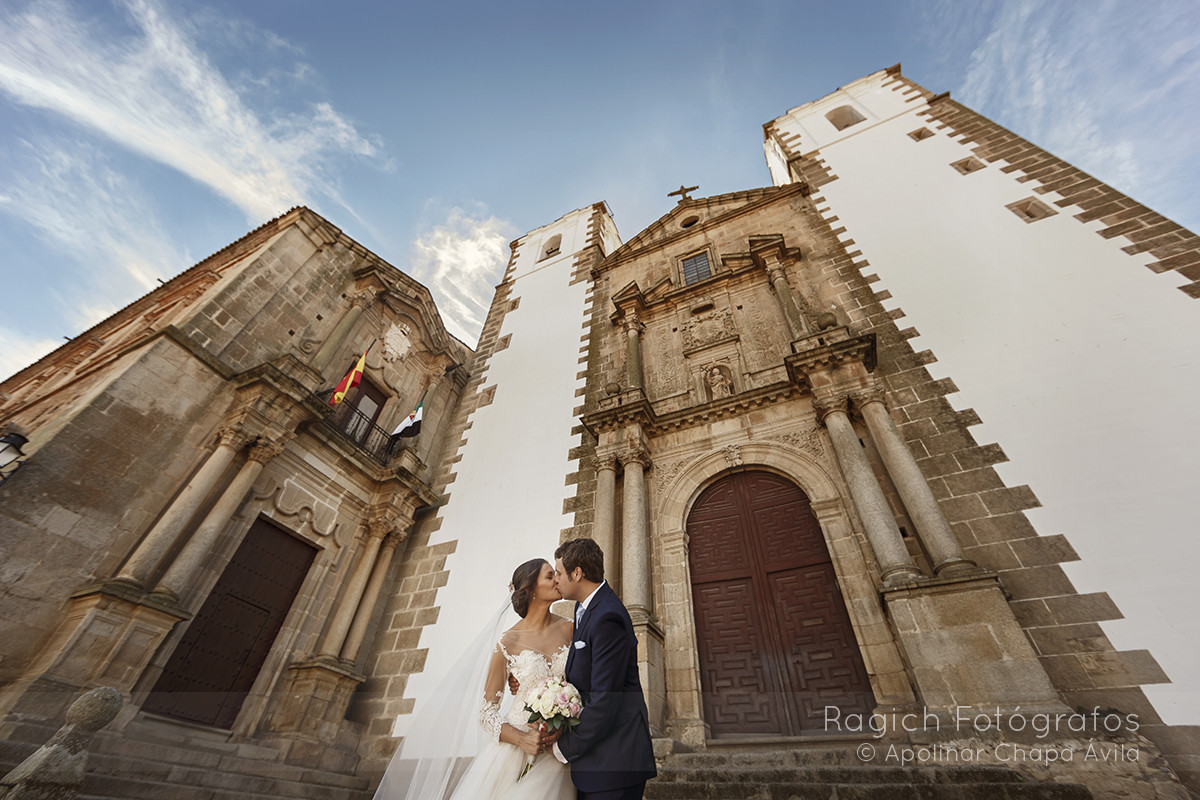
point(139, 136)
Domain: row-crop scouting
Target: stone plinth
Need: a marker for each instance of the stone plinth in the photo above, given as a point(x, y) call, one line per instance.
point(107, 637)
point(313, 704)
point(652, 668)
point(965, 648)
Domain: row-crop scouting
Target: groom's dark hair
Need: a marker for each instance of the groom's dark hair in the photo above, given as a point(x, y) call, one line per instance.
point(582, 553)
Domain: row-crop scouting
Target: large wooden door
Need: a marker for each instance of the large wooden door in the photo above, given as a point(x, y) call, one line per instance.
point(776, 644)
point(213, 667)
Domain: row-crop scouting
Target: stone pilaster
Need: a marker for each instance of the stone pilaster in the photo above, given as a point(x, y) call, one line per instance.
point(138, 569)
point(633, 350)
point(635, 543)
point(183, 570)
point(895, 564)
point(603, 523)
point(935, 533)
point(366, 607)
point(359, 301)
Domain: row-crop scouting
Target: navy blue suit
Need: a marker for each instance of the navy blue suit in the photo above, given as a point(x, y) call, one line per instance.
point(610, 749)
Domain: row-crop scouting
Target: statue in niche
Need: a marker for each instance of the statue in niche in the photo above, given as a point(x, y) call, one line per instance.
point(719, 383)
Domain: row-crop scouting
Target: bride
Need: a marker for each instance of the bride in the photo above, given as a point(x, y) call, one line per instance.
point(502, 744)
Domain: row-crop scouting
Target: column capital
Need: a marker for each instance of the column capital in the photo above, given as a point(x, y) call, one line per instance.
point(381, 520)
point(394, 539)
point(234, 436)
point(602, 462)
point(632, 323)
point(638, 456)
point(265, 449)
point(824, 406)
point(775, 272)
point(871, 394)
point(362, 298)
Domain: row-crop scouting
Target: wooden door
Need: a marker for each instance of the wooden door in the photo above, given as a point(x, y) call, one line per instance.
point(776, 644)
point(213, 667)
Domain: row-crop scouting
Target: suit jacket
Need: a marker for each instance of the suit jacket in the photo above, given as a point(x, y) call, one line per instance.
point(610, 748)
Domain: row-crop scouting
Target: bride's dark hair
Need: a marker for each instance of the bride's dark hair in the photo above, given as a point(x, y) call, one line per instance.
point(524, 581)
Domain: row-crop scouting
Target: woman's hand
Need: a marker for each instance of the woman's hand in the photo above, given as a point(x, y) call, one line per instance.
point(530, 741)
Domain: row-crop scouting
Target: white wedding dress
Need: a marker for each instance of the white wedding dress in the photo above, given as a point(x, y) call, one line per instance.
point(496, 772)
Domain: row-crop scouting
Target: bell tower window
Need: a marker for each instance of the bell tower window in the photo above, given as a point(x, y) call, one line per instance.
point(843, 117)
point(552, 247)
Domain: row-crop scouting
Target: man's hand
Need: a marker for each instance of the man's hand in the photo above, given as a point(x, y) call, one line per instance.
point(549, 737)
point(513, 683)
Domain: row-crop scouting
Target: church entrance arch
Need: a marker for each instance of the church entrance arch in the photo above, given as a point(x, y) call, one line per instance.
point(775, 641)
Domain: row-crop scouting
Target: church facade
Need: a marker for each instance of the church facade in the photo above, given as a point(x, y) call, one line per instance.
point(813, 545)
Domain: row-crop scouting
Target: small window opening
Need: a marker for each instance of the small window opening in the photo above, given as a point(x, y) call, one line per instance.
point(1031, 209)
point(696, 268)
point(689, 222)
point(844, 116)
point(920, 134)
point(552, 247)
point(968, 165)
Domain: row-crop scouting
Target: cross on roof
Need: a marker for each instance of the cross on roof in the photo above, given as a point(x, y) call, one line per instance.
point(683, 192)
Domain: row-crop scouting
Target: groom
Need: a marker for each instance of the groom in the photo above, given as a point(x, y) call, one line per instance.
point(609, 751)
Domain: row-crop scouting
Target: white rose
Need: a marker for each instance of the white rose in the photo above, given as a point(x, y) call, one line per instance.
point(546, 705)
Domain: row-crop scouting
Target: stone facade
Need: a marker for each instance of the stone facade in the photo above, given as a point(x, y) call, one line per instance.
point(159, 438)
point(796, 517)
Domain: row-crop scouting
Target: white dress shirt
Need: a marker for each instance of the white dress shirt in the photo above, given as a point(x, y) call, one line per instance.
point(558, 753)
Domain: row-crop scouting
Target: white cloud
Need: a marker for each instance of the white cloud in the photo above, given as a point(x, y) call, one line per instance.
point(155, 93)
point(18, 351)
point(461, 261)
point(83, 208)
point(1111, 87)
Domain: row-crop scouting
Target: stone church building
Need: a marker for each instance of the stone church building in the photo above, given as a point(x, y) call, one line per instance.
point(816, 551)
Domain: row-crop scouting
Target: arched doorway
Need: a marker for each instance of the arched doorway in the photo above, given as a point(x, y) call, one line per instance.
point(775, 640)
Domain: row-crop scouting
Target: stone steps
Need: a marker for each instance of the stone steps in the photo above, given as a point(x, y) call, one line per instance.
point(141, 767)
point(834, 772)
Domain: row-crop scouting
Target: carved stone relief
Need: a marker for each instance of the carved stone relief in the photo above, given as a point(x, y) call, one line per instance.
point(707, 329)
point(809, 441)
point(397, 342)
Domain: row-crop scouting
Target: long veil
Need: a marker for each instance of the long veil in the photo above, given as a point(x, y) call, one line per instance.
point(445, 733)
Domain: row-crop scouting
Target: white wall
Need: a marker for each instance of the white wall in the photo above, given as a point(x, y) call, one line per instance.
point(506, 501)
point(1081, 363)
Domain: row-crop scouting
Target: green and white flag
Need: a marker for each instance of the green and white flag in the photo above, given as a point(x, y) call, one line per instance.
point(411, 425)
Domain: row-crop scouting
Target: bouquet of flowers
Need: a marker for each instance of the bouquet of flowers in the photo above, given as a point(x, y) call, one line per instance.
point(553, 704)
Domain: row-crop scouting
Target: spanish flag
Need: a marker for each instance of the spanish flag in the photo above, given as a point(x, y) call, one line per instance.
point(352, 379)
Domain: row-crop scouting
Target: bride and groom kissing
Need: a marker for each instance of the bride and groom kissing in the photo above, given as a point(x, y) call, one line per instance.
point(606, 756)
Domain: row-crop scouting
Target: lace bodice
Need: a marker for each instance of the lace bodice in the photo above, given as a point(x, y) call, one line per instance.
point(530, 668)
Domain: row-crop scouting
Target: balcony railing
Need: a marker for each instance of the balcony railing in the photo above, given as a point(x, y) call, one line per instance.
point(356, 428)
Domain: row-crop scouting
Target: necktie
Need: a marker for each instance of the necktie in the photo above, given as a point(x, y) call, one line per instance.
point(579, 609)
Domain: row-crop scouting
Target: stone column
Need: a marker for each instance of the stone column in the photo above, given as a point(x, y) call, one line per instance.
point(635, 543)
point(183, 571)
point(358, 303)
point(603, 529)
point(362, 618)
point(379, 525)
point(895, 564)
point(158, 541)
point(633, 350)
point(791, 310)
point(939, 540)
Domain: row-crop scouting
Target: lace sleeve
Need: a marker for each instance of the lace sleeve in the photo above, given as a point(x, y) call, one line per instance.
point(493, 693)
point(489, 718)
